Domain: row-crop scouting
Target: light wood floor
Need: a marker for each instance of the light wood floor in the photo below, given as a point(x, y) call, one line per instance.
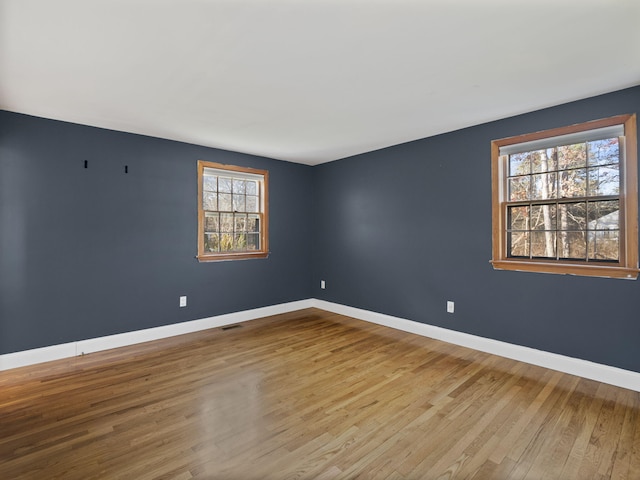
point(311, 395)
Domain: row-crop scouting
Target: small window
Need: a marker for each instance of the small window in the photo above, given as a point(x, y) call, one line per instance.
point(232, 212)
point(565, 200)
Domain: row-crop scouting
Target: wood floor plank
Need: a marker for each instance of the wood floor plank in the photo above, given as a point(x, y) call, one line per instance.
point(311, 395)
point(623, 456)
point(634, 462)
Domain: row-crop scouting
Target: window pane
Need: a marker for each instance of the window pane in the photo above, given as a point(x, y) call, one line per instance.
point(241, 223)
point(226, 242)
point(252, 204)
point(239, 186)
point(238, 203)
point(543, 160)
point(604, 215)
point(572, 216)
point(604, 152)
point(604, 180)
point(572, 156)
point(543, 217)
point(211, 242)
point(226, 222)
point(519, 188)
point(252, 187)
point(224, 184)
point(573, 183)
point(518, 218)
point(543, 186)
point(224, 202)
point(253, 241)
point(209, 201)
point(518, 244)
point(211, 222)
point(253, 223)
point(573, 245)
point(519, 164)
point(210, 183)
point(240, 241)
point(543, 244)
point(604, 245)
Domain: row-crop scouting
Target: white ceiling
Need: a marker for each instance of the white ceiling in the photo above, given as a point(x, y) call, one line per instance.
point(309, 81)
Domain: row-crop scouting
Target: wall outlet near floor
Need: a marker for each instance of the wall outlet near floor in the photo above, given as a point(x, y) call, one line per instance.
point(322, 284)
point(183, 301)
point(450, 306)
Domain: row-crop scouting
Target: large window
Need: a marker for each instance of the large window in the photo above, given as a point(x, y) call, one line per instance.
point(566, 201)
point(232, 212)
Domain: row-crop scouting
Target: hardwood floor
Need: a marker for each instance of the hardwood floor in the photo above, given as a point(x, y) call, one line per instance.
point(311, 395)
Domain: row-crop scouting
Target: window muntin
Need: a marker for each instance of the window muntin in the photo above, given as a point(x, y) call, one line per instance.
point(232, 212)
point(565, 200)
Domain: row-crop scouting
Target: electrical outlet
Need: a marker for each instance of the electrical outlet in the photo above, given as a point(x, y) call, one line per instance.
point(450, 306)
point(183, 301)
point(322, 284)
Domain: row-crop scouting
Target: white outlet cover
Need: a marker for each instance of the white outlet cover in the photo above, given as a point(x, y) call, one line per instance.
point(183, 301)
point(450, 306)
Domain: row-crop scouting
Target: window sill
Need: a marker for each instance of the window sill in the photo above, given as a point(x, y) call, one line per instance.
point(231, 256)
point(590, 270)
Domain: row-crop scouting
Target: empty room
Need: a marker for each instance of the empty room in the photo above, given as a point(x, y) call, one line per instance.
point(319, 239)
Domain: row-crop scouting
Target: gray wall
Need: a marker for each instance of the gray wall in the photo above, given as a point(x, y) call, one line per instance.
point(402, 230)
point(92, 252)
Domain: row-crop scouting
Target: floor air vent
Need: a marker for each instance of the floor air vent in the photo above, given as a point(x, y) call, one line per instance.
point(231, 327)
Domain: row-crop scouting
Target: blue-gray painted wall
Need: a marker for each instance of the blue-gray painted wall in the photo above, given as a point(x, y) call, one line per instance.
point(92, 252)
point(402, 230)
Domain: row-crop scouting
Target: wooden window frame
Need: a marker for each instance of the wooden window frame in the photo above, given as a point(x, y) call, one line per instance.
point(627, 265)
point(263, 212)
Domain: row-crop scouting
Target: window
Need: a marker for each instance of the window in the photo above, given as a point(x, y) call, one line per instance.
point(565, 200)
point(232, 212)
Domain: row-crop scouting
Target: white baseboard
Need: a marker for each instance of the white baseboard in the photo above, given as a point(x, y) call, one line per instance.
point(72, 349)
point(583, 368)
point(37, 355)
point(574, 366)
